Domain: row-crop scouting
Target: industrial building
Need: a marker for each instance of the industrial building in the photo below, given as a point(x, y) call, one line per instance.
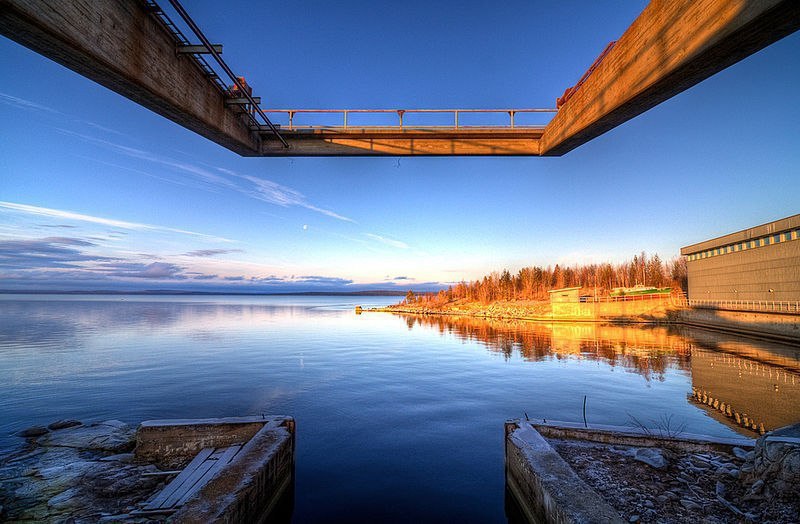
point(759, 263)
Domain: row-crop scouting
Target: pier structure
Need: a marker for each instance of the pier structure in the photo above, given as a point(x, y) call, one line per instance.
point(134, 48)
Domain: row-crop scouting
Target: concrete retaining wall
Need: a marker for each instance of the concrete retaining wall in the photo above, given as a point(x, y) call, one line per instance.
point(249, 487)
point(166, 442)
point(778, 326)
point(546, 488)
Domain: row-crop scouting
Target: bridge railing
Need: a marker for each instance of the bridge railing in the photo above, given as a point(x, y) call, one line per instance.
point(437, 119)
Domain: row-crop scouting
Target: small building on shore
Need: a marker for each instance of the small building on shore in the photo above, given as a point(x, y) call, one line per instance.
point(759, 263)
point(567, 294)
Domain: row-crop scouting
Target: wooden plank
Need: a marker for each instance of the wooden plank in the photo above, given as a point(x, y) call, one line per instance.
point(671, 46)
point(190, 483)
point(169, 489)
point(162, 473)
point(221, 462)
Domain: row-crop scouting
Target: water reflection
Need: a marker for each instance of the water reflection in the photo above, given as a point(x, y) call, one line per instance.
point(758, 378)
point(648, 350)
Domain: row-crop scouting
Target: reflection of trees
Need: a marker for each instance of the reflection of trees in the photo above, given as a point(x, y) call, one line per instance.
point(649, 351)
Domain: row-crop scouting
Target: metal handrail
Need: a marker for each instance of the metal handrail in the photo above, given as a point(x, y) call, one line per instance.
point(776, 306)
point(236, 81)
point(402, 112)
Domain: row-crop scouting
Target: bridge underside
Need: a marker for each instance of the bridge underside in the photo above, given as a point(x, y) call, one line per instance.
point(405, 142)
point(670, 47)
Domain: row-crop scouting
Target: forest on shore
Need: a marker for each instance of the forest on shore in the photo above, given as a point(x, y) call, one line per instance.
point(533, 282)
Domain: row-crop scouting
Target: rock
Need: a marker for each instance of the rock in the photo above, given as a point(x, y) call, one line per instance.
point(63, 424)
point(720, 489)
point(120, 457)
point(33, 431)
point(754, 493)
point(662, 499)
point(740, 453)
point(634, 518)
point(649, 503)
point(65, 500)
point(113, 435)
point(690, 505)
point(776, 461)
point(653, 457)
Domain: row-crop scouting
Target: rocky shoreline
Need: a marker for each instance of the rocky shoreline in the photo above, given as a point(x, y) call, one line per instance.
point(69, 472)
point(538, 311)
point(668, 486)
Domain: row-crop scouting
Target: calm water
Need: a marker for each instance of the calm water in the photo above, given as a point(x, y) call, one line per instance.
point(399, 418)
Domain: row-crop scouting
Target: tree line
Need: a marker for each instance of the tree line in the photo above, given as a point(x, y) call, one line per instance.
point(533, 282)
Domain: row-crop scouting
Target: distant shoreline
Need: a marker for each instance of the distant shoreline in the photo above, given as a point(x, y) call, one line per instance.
point(377, 293)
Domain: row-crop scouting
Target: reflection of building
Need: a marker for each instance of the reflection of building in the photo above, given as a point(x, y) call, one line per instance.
point(761, 392)
point(760, 263)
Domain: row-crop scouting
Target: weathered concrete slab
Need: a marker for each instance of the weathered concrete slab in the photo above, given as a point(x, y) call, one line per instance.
point(632, 436)
point(248, 488)
point(168, 441)
point(547, 489)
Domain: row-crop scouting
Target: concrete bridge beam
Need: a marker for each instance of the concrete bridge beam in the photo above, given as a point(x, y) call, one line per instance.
point(671, 46)
point(122, 46)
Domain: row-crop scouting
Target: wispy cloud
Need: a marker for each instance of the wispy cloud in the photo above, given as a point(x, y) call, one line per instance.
point(45, 253)
point(21, 103)
point(274, 193)
point(388, 241)
point(30, 105)
point(217, 177)
point(210, 252)
point(122, 224)
point(154, 270)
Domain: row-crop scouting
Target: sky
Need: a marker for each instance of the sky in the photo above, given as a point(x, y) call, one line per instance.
point(99, 193)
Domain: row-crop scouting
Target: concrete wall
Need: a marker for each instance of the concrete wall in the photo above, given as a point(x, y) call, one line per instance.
point(777, 326)
point(545, 487)
point(651, 308)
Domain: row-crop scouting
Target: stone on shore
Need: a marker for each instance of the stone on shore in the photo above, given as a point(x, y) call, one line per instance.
point(64, 424)
point(653, 457)
point(33, 431)
point(111, 435)
point(74, 474)
point(774, 467)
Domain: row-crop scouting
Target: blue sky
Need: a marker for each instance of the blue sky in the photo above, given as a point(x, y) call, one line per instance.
point(97, 192)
